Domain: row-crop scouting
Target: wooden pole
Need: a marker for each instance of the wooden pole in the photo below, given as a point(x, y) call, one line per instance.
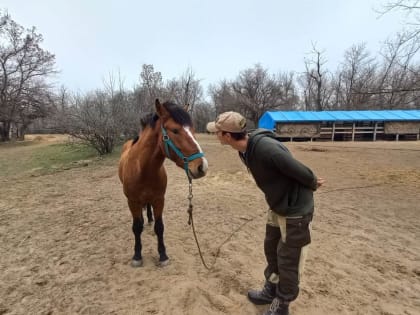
point(374, 131)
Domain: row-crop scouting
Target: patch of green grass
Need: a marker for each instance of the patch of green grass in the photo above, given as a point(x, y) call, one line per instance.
point(35, 158)
point(15, 144)
point(60, 154)
point(43, 159)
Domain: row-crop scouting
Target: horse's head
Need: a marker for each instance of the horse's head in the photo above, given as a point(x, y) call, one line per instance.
point(179, 143)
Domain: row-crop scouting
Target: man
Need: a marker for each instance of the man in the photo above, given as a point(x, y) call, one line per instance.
point(288, 186)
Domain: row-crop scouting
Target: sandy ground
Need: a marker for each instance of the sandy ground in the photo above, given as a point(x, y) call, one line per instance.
point(66, 240)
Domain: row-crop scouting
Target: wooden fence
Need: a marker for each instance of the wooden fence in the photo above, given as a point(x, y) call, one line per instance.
point(350, 131)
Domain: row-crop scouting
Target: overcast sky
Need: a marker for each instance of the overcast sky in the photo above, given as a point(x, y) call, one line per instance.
point(215, 38)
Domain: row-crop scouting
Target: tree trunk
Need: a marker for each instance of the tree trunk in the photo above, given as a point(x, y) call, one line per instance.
point(5, 131)
point(21, 132)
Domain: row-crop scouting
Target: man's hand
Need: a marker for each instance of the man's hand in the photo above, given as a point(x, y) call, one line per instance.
point(320, 181)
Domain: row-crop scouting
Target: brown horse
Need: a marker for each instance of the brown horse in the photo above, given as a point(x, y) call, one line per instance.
point(169, 133)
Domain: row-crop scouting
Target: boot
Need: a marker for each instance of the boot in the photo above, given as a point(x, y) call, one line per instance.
point(265, 296)
point(277, 308)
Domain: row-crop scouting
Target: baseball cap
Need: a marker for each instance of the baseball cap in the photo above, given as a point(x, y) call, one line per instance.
point(228, 121)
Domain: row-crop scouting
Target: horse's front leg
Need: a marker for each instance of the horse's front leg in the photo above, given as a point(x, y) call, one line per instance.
point(138, 223)
point(159, 229)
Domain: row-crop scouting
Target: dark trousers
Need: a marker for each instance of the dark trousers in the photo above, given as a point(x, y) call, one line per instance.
point(285, 245)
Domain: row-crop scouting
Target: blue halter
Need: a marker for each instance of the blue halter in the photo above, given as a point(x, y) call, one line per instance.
point(169, 144)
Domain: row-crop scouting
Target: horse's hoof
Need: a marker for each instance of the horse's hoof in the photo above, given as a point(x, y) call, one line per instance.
point(137, 263)
point(163, 263)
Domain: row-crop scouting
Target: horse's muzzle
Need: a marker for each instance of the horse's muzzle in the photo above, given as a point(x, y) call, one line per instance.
point(200, 170)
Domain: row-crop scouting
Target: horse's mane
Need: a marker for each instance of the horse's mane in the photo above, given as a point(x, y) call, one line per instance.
point(178, 114)
point(148, 119)
point(175, 111)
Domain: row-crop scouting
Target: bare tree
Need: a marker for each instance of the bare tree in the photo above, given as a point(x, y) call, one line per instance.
point(24, 69)
point(290, 98)
point(315, 81)
point(358, 72)
point(35, 103)
point(336, 91)
point(390, 83)
point(256, 91)
point(100, 118)
point(185, 90)
point(411, 9)
point(151, 87)
point(398, 79)
point(203, 113)
point(223, 97)
point(61, 104)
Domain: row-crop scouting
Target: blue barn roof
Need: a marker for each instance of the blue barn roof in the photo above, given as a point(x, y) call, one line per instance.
point(269, 119)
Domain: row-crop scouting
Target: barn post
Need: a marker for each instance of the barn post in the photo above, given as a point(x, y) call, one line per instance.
point(333, 132)
point(374, 131)
point(352, 132)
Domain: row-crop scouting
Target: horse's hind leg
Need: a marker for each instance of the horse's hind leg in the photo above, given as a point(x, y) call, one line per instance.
point(149, 213)
point(138, 223)
point(159, 229)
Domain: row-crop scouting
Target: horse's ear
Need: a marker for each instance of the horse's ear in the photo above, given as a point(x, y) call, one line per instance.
point(159, 108)
point(187, 107)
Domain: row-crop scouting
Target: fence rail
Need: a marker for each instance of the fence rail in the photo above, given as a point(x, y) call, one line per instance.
point(355, 131)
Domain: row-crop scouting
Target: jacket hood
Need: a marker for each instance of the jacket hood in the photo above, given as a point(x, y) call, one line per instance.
point(261, 131)
point(255, 136)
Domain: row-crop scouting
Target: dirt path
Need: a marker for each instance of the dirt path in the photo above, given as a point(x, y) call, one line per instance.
point(66, 240)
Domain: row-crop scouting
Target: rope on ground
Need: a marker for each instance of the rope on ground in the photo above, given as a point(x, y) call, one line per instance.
point(223, 243)
point(227, 240)
point(347, 188)
point(357, 147)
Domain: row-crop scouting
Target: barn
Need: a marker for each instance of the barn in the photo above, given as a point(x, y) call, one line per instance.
point(344, 125)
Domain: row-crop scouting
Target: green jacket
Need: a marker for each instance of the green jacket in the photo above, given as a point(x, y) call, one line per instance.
point(288, 185)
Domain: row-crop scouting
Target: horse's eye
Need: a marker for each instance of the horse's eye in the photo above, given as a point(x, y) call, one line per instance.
point(175, 131)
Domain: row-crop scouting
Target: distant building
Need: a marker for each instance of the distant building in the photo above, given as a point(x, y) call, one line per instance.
point(344, 125)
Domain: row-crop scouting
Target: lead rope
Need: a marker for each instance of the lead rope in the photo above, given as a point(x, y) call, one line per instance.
point(191, 221)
